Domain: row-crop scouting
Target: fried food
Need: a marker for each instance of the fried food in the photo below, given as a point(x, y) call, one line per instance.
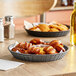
point(36, 41)
point(41, 51)
point(57, 45)
point(27, 45)
point(37, 29)
point(44, 27)
point(37, 46)
point(59, 48)
point(34, 50)
point(54, 43)
point(56, 27)
point(62, 28)
point(33, 28)
point(53, 26)
point(22, 47)
point(53, 30)
point(49, 50)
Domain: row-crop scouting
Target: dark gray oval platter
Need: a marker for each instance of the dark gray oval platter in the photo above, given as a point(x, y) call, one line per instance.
point(48, 34)
point(38, 58)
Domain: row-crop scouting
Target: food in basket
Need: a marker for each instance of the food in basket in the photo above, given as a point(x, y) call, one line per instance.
point(37, 46)
point(43, 27)
point(35, 28)
point(53, 30)
point(36, 41)
point(55, 27)
point(54, 43)
point(50, 50)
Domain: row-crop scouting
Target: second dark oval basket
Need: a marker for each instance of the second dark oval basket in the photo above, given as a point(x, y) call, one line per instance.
point(48, 34)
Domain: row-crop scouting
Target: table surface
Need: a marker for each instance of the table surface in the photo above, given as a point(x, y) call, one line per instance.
point(63, 66)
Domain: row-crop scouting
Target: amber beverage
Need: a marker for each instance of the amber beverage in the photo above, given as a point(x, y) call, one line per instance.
point(73, 27)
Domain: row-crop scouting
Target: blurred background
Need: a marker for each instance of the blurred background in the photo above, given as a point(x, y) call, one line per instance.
point(61, 12)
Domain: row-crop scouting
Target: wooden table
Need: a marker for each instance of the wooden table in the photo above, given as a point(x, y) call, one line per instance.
point(63, 66)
